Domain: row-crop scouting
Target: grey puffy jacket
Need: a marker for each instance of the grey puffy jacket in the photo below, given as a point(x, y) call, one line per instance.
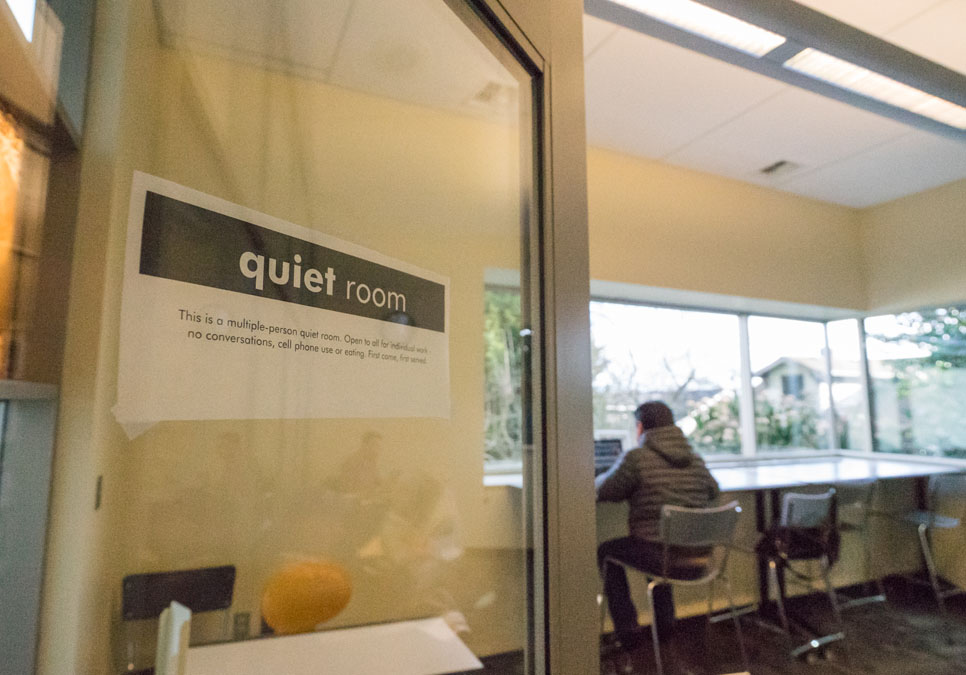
point(664, 470)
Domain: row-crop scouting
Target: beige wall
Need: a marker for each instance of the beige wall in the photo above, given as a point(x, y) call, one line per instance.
point(913, 249)
point(657, 225)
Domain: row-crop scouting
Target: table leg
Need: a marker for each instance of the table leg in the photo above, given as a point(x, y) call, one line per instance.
point(922, 493)
point(764, 602)
point(775, 499)
point(765, 515)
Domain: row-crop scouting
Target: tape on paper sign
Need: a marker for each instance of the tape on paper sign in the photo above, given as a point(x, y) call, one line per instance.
point(228, 313)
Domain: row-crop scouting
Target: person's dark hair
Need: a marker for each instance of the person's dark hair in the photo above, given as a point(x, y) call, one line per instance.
point(654, 414)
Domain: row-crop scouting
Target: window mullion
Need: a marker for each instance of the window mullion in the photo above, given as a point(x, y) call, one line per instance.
point(746, 400)
point(830, 416)
point(866, 389)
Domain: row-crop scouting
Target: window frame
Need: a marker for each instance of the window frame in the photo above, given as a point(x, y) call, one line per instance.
point(749, 439)
point(873, 437)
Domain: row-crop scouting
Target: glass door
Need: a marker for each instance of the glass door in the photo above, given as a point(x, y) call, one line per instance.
point(324, 238)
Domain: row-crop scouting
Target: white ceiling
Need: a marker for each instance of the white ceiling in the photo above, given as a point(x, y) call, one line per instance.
point(656, 100)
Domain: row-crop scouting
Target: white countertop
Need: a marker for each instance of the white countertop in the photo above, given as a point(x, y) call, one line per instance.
point(421, 647)
point(736, 474)
point(777, 473)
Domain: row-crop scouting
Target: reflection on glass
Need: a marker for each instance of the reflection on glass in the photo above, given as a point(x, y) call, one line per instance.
point(790, 383)
point(11, 160)
point(503, 368)
point(848, 389)
point(23, 186)
point(689, 360)
point(917, 363)
point(390, 126)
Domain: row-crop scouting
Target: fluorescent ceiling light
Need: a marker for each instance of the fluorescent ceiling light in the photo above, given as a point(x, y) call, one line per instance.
point(23, 12)
point(845, 75)
point(708, 23)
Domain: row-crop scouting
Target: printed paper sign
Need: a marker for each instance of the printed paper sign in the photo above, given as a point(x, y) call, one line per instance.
point(228, 313)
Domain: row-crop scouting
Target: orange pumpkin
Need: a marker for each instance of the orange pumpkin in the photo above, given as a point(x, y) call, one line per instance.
point(302, 595)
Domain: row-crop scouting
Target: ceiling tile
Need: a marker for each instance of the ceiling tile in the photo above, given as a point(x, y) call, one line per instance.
point(298, 35)
point(596, 31)
point(415, 50)
point(795, 126)
point(915, 162)
point(938, 34)
point(648, 97)
point(872, 16)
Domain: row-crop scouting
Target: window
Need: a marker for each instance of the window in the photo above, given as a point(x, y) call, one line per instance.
point(790, 383)
point(502, 365)
point(793, 385)
point(805, 378)
point(917, 367)
point(689, 360)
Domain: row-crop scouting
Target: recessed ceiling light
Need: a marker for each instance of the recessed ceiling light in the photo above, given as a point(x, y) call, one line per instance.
point(845, 75)
point(708, 23)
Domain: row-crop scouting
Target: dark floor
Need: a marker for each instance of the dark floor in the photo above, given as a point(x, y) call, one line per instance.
point(906, 636)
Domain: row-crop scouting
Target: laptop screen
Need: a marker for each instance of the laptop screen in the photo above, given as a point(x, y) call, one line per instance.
point(606, 452)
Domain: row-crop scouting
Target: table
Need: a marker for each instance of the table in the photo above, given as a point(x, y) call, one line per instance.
point(420, 647)
point(741, 475)
point(765, 476)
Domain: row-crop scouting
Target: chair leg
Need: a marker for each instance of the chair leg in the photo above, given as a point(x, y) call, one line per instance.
point(931, 566)
point(654, 636)
point(737, 622)
point(780, 601)
point(867, 551)
point(711, 598)
point(602, 607)
point(707, 623)
point(830, 591)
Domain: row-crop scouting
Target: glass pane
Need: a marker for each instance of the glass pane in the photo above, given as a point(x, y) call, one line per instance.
point(790, 383)
point(848, 395)
point(503, 369)
point(917, 362)
point(689, 360)
point(319, 190)
point(23, 192)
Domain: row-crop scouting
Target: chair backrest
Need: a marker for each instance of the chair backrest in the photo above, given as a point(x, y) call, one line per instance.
point(801, 510)
point(854, 492)
point(714, 526)
point(208, 589)
point(853, 501)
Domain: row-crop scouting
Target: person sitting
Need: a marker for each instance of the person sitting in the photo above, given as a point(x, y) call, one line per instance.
point(665, 469)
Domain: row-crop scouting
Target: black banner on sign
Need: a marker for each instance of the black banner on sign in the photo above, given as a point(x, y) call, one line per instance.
point(189, 243)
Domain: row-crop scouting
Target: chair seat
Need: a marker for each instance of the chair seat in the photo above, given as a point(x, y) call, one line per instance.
point(688, 568)
point(799, 544)
point(930, 519)
point(684, 564)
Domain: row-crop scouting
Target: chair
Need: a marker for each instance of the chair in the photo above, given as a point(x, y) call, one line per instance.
point(806, 531)
point(696, 543)
point(145, 596)
point(926, 520)
point(854, 509)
